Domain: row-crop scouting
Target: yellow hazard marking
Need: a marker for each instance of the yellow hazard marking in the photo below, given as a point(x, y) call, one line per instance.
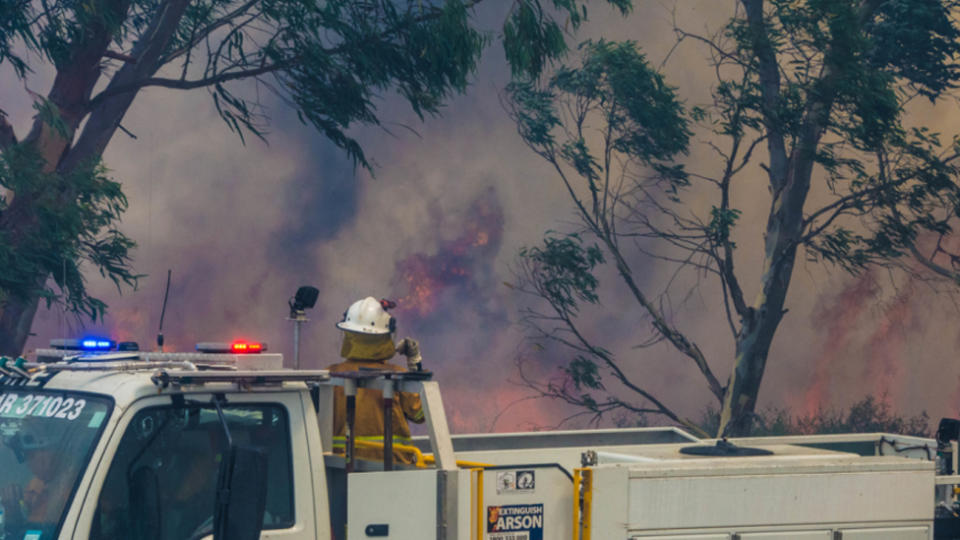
point(582, 503)
point(477, 474)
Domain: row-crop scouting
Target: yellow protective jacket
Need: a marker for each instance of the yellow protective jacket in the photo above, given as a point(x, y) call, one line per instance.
point(368, 425)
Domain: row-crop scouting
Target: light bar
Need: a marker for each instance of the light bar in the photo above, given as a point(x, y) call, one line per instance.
point(249, 362)
point(85, 344)
point(163, 378)
point(237, 347)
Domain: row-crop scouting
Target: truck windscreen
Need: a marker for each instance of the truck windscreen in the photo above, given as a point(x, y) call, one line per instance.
point(47, 438)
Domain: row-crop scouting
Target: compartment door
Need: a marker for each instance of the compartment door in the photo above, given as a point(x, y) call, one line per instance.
point(787, 535)
point(392, 504)
point(526, 502)
point(684, 537)
point(887, 533)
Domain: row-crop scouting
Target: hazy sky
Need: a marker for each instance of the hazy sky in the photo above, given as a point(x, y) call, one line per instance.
point(242, 227)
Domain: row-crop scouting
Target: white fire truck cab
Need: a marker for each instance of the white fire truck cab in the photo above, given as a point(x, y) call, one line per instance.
point(190, 446)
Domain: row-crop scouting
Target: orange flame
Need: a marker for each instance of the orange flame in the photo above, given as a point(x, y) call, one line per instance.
point(422, 278)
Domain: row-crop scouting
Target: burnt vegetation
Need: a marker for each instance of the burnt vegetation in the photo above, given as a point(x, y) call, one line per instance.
point(868, 415)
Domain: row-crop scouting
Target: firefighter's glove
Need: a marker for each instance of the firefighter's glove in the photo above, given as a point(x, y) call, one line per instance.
point(411, 349)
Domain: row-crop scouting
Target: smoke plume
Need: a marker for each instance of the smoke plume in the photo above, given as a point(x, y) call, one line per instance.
point(437, 228)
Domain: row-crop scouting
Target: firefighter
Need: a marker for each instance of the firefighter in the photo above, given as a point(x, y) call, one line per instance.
point(36, 504)
point(367, 345)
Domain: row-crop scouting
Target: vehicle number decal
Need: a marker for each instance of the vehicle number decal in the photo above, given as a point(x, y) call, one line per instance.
point(47, 406)
point(51, 408)
point(67, 405)
point(77, 409)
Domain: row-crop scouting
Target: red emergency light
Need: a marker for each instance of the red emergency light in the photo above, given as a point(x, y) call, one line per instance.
point(243, 347)
point(237, 347)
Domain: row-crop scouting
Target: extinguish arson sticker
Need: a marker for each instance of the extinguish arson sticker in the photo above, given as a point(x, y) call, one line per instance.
point(515, 522)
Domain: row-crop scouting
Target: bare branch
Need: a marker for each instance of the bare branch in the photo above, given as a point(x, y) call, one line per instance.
point(185, 84)
point(564, 393)
point(201, 35)
point(119, 56)
point(127, 131)
point(852, 201)
point(952, 275)
point(676, 44)
point(109, 107)
point(683, 34)
point(681, 263)
point(748, 154)
point(674, 336)
point(727, 272)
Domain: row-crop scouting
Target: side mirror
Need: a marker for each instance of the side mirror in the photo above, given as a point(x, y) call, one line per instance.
point(241, 494)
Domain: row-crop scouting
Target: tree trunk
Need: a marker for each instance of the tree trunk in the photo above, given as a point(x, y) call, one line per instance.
point(753, 345)
point(106, 116)
point(783, 237)
point(16, 317)
point(789, 175)
point(70, 97)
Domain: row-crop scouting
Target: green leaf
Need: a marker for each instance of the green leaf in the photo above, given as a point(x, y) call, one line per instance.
point(77, 215)
point(562, 270)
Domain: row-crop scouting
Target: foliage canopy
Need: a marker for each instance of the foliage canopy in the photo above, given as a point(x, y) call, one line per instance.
point(66, 234)
point(335, 62)
point(812, 96)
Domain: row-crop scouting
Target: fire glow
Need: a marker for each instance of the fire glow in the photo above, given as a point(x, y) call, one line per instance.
point(421, 278)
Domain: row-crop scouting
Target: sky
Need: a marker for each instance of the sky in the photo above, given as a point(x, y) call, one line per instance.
point(438, 228)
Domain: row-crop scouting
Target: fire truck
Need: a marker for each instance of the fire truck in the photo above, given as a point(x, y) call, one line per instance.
point(225, 443)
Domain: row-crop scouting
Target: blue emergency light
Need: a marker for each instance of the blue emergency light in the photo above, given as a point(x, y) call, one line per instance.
point(97, 344)
point(85, 344)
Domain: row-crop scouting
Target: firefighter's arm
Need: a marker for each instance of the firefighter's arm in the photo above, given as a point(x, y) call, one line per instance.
point(412, 408)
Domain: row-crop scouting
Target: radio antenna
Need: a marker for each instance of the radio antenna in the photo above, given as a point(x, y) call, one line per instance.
point(163, 311)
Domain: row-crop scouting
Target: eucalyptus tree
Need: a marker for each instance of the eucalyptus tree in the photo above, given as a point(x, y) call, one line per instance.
point(811, 97)
point(330, 60)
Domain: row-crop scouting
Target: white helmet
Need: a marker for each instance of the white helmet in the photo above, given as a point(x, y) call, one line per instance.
point(368, 316)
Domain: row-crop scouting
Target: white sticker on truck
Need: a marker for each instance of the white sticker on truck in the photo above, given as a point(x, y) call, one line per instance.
point(523, 481)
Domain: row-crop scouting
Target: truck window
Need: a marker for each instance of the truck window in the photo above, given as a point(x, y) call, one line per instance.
point(162, 480)
point(46, 439)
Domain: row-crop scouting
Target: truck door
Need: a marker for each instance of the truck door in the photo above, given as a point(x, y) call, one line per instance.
point(162, 474)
